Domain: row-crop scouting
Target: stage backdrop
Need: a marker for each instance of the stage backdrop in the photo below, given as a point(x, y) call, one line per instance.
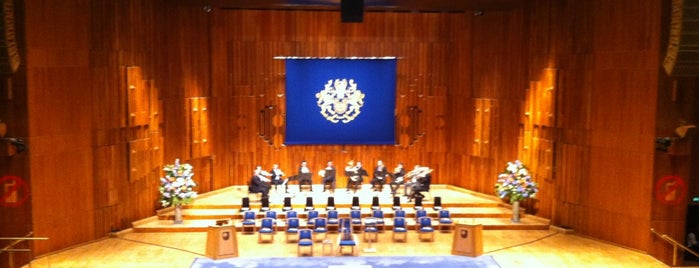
point(340, 101)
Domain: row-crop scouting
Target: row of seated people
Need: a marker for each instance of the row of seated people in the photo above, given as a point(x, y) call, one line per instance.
point(415, 182)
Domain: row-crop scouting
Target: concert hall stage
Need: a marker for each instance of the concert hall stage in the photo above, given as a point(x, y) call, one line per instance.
point(465, 206)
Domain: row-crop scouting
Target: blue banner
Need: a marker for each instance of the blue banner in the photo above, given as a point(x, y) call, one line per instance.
point(340, 101)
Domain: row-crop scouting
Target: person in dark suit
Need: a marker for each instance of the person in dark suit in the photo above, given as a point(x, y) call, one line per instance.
point(397, 178)
point(379, 179)
point(276, 176)
point(304, 176)
point(328, 175)
point(259, 183)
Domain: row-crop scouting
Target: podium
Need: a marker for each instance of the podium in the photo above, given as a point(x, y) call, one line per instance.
point(468, 240)
point(221, 240)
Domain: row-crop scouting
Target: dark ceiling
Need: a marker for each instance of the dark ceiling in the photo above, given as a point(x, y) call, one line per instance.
point(369, 5)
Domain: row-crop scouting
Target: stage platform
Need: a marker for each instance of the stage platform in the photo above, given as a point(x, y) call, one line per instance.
point(464, 206)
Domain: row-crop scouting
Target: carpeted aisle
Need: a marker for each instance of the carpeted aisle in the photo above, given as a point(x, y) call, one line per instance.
point(370, 261)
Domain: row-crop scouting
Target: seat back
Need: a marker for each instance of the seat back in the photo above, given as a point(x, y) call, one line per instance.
point(437, 201)
point(292, 223)
point(309, 203)
point(249, 215)
point(331, 203)
point(425, 222)
point(396, 202)
point(245, 204)
point(355, 214)
point(377, 214)
point(375, 203)
point(305, 234)
point(420, 213)
point(444, 214)
point(355, 202)
point(271, 214)
point(398, 222)
point(287, 204)
point(311, 216)
point(333, 214)
point(265, 204)
point(291, 214)
point(320, 223)
point(400, 213)
point(267, 223)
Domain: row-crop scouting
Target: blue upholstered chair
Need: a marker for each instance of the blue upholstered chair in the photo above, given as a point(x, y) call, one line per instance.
point(272, 215)
point(292, 229)
point(445, 221)
point(266, 229)
point(356, 220)
point(378, 217)
point(305, 241)
point(311, 216)
point(333, 221)
point(346, 237)
point(425, 228)
point(248, 222)
point(291, 214)
point(399, 213)
point(400, 229)
point(420, 213)
point(320, 230)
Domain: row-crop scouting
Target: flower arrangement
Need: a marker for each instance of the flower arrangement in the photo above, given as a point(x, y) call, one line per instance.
point(516, 183)
point(176, 188)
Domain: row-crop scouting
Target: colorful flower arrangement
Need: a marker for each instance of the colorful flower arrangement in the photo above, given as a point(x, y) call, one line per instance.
point(515, 183)
point(176, 188)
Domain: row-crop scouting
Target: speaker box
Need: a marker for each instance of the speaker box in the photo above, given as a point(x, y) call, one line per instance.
point(352, 10)
point(9, 56)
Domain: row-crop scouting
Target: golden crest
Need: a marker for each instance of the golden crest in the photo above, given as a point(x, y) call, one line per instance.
point(340, 100)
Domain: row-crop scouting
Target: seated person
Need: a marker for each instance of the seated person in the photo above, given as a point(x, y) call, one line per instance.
point(304, 176)
point(397, 178)
point(418, 180)
point(379, 179)
point(276, 176)
point(259, 183)
point(355, 175)
point(328, 175)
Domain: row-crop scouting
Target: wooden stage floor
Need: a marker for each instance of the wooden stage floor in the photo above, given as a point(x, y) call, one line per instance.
point(157, 242)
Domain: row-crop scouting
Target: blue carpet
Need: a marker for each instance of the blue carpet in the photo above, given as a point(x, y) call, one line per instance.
point(371, 261)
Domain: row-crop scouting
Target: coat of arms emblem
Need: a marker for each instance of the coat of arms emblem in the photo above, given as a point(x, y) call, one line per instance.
point(340, 100)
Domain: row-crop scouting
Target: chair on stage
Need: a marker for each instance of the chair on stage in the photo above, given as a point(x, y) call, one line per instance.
point(399, 213)
point(331, 204)
point(320, 228)
point(305, 241)
point(311, 216)
point(292, 229)
point(378, 217)
point(248, 223)
point(309, 204)
point(245, 204)
point(396, 203)
point(425, 228)
point(287, 204)
point(370, 231)
point(346, 237)
point(333, 221)
point(375, 203)
point(265, 204)
point(356, 220)
point(305, 179)
point(291, 214)
point(423, 187)
point(400, 229)
point(355, 203)
point(437, 203)
point(445, 221)
point(272, 215)
point(266, 229)
point(418, 203)
point(420, 213)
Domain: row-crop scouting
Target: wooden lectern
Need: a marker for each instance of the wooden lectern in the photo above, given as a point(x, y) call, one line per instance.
point(468, 240)
point(221, 240)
